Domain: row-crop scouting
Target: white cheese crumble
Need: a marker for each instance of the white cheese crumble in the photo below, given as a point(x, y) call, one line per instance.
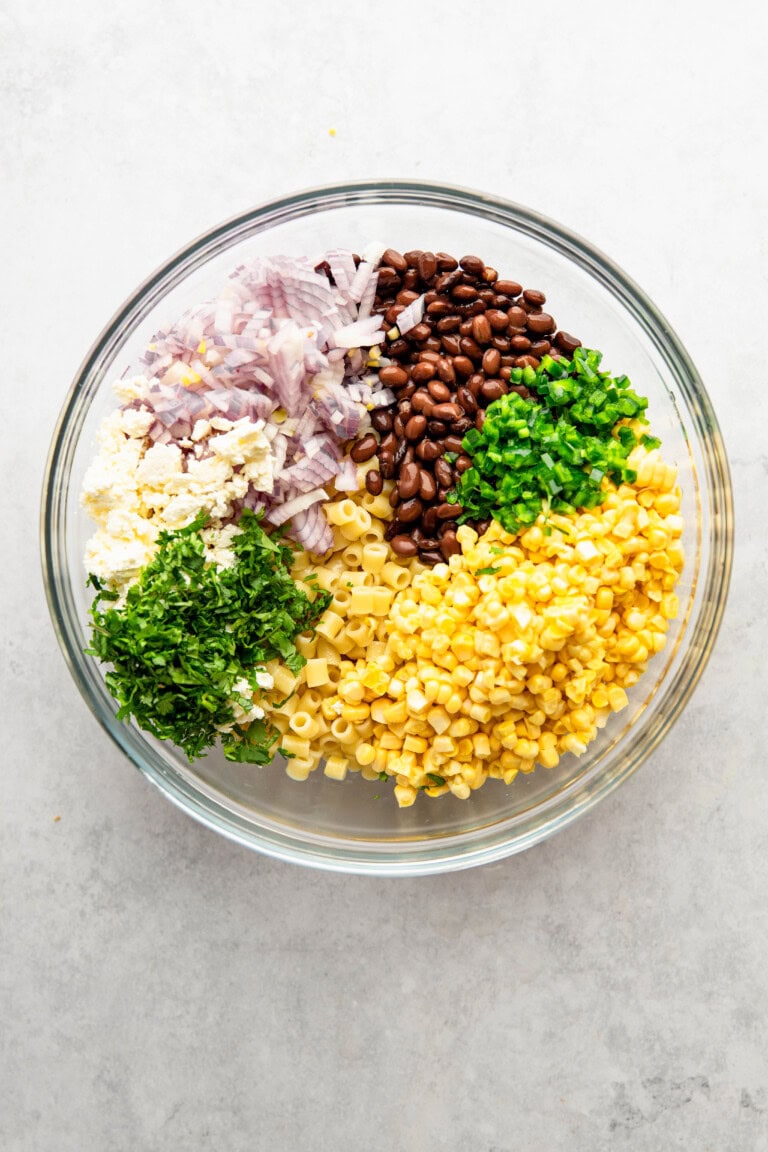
point(241, 715)
point(135, 489)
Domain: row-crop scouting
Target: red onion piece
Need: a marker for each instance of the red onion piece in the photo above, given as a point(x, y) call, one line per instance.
point(411, 315)
point(279, 336)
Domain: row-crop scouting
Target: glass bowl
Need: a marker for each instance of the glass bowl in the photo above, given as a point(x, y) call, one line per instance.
point(348, 827)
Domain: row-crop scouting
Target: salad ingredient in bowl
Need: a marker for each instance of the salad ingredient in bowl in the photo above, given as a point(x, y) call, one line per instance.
point(410, 589)
point(379, 513)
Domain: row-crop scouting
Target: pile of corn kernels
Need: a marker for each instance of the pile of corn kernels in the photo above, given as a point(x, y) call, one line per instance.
point(513, 653)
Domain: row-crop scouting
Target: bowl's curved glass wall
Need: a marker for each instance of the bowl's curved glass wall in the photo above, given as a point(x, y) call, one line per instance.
point(346, 826)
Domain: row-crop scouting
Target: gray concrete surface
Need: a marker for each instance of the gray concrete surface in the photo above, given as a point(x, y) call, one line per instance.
point(162, 990)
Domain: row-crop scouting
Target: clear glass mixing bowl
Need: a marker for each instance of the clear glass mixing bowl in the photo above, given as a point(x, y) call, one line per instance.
point(344, 826)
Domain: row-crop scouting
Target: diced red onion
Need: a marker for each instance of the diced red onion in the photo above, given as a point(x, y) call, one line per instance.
point(383, 398)
point(411, 315)
point(360, 281)
point(362, 333)
point(279, 335)
point(280, 513)
point(367, 298)
point(346, 480)
point(312, 531)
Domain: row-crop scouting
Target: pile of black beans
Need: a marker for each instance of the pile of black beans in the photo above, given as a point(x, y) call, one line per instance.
point(476, 328)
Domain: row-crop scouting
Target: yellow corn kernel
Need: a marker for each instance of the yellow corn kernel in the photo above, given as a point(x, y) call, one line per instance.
point(355, 713)
point(439, 720)
point(571, 743)
point(377, 654)
point(666, 503)
point(581, 718)
point(481, 745)
point(377, 710)
point(415, 744)
point(444, 694)
point(487, 644)
point(453, 703)
point(617, 698)
point(463, 647)
point(365, 754)
point(416, 702)
point(482, 713)
point(548, 757)
point(459, 788)
point(375, 679)
point(431, 690)
point(396, 713)
point(462, 727)
point(604, 599)
point(351, 690)
point(390, 741)
point(405, 795)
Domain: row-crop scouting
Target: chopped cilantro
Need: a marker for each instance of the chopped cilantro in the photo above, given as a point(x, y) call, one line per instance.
point(436, 780)
point(383, 776)
point(189, 634)
point(489, 571)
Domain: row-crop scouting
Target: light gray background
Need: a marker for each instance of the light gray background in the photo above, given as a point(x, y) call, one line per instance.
point(162, 989)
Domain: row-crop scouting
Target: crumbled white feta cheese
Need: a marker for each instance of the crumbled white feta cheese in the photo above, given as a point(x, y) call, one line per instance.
point(218, 545)
point(136, 422)
point(132, 388)
point(241, 715)
point(134, 489)
point(246, 444)
point(161, 464)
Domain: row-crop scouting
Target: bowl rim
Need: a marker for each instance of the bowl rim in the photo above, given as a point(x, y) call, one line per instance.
point(462, 850)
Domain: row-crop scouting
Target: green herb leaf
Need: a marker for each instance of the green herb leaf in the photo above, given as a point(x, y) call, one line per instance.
point(190, 636)
point(489, 571)
point(436, 780)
